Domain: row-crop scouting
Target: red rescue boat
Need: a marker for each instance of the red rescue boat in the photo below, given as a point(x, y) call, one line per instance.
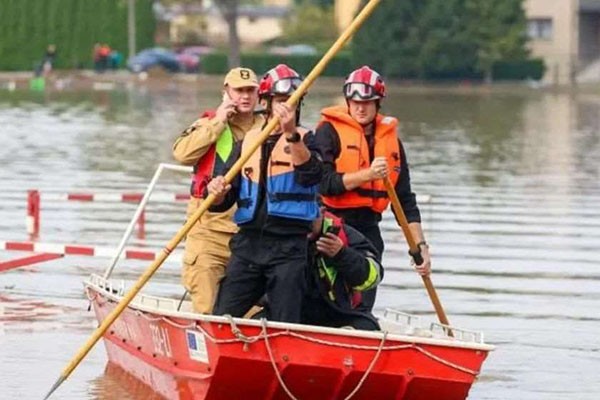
point(183, 355)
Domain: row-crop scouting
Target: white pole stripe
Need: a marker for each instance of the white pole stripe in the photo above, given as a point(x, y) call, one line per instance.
point(175, 167)
point(54, 196)
point(108, 197)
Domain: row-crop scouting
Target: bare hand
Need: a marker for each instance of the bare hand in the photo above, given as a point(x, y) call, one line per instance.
point(379, 168)
point(287, 117)
point(425, 268)
point(329, 245)
point(218, 187)
point(226, 109)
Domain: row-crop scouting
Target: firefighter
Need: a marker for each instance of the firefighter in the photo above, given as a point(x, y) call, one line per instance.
point(276, 198)
point(207, 145)
point(360, 147)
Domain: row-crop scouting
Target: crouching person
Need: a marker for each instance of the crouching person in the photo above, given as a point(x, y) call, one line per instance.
point(342, 265)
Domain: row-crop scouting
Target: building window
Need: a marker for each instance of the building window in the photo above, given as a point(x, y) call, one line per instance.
point(539, 28)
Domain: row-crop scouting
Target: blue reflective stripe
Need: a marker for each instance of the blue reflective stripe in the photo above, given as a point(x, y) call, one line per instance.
point(286, 184)
point(246, 201)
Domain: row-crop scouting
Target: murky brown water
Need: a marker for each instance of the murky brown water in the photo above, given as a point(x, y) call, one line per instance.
point(514, 226)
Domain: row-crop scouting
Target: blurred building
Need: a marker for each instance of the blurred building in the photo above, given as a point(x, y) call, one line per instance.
point(344, 12)
point(566, 34)
point(202, 23)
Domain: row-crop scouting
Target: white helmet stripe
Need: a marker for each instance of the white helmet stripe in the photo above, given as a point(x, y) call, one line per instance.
point(373, 79)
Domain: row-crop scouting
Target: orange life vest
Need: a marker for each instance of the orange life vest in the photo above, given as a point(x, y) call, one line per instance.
point(284, 196)
point(354, 156)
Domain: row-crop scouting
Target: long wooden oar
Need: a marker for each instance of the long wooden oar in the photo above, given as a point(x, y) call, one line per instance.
point(110, 318)
point(415, 251)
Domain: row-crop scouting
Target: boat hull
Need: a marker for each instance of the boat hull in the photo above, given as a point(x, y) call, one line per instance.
point(188, 356)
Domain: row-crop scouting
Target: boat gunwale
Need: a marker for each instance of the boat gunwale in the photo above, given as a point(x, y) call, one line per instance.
point(373, 335)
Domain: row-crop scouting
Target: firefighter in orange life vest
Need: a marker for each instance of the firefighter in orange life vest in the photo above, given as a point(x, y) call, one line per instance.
point(207, 145)
point(360, 146)
point(276, 198)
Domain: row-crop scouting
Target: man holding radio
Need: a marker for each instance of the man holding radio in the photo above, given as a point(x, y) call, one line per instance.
point(342, 265)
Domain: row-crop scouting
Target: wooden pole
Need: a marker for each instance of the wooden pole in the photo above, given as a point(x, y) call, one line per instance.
point(128, 297)
point(415, 251)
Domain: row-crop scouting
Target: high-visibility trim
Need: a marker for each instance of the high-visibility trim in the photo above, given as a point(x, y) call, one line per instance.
point(225, 143)
point(373, 279)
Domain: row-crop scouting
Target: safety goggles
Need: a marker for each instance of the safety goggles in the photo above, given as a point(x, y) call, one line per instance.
point(286, 85)
point(360, 90)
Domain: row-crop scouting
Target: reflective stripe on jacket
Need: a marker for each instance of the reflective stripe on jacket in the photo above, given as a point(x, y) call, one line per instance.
point(354, 156)
point(284, 196)
point(213, 162)
point(339, 291)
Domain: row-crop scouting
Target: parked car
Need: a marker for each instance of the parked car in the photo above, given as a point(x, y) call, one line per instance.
point(189, 57)
point(154, 57)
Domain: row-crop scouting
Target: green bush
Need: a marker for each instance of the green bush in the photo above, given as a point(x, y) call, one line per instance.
point(27, 27)
point(216, 63)
point(519, 70)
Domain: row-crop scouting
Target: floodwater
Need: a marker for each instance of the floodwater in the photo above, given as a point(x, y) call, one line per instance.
point(513, 222)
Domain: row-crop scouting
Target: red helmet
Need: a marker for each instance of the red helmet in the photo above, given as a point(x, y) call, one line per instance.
point(279, 80)
point(364, 84)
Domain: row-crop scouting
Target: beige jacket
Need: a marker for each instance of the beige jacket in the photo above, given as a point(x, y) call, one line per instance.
point(191, 145)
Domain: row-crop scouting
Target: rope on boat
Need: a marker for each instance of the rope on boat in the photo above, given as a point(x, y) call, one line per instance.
point(370, 368)
point(238, 333)
point(263, 335)
point(240, 337)
point(362, 380)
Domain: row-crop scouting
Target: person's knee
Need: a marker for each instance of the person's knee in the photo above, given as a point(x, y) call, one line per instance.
point(366, 324)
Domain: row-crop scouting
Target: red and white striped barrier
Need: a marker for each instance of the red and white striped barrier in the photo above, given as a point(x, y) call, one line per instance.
point(34, 198)
point(28, 260)
point(113, 197)
point(79, 250)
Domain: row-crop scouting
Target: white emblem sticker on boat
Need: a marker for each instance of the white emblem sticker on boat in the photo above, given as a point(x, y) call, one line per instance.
point(197, 346)
point(160, 340)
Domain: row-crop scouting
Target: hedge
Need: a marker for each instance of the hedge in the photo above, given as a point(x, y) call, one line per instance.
point(341, 65)
point(27, 27)
point(519, 70)
point(216, 63)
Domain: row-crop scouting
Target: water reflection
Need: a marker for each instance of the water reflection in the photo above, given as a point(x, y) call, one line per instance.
point(116, 380)
point(513, 222)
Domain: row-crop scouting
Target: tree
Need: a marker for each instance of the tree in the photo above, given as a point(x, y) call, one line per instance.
point(441, 38)
point(230, 11)
point(320, 3)
point(389, 40)
point(310, 24)
point(498, 28)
